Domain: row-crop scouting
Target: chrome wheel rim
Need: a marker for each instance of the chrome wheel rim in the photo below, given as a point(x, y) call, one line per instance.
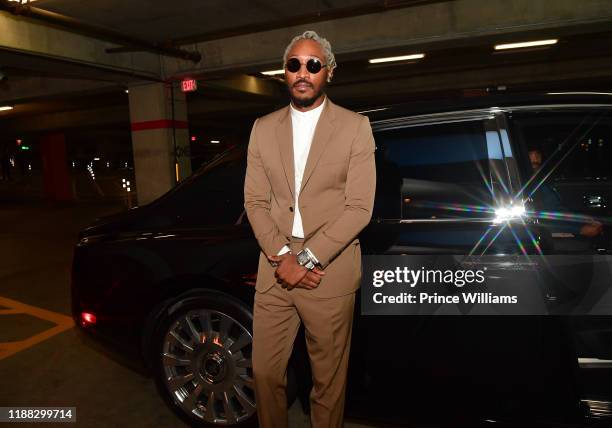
point(206, 359)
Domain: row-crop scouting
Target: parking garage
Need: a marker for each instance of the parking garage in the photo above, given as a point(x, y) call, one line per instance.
point(107, 106)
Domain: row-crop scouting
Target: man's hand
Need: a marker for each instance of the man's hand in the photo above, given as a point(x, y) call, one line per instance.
point(312, 279)
point(290, 273)
point(275, 260)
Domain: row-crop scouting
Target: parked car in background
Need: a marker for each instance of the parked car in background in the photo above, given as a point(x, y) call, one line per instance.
point(169, 286)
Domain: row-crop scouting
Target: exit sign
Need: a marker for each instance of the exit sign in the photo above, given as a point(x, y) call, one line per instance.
point(189, 85)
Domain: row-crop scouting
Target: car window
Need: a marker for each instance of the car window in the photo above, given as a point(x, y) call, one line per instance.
point(574, 150)
point(582, 138)
point(214, 195)
point(567, 157)
point(433, 171)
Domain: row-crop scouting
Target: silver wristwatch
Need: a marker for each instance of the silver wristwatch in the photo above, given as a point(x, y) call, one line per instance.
point(304, 259)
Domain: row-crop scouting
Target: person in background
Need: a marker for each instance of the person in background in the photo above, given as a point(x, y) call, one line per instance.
point(549, 200)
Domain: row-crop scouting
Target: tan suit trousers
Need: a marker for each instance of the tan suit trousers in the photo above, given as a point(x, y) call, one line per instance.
point(328, 324)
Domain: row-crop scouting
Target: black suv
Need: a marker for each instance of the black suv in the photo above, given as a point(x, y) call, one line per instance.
point(169, 286)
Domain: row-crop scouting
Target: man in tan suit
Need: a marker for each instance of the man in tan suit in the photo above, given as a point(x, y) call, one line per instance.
point(309, 191)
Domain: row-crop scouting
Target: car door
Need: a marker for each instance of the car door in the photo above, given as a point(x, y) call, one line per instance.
point(571, 190)
point(441, 182)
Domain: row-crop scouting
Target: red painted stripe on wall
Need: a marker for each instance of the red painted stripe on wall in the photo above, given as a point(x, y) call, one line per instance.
point(56, 178)
point(159, 124)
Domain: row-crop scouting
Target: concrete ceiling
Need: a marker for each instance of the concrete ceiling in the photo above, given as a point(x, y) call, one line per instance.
point(458, 39)
point(162, 20)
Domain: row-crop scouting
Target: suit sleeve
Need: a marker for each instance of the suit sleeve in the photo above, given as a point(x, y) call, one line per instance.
point(257, 197)
point(359, 199)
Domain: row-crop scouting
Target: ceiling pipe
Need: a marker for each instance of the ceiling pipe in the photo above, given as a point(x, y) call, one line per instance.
point(72, 24)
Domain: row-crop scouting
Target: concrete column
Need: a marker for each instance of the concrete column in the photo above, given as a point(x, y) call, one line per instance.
point(156, 132)
point(56, 181)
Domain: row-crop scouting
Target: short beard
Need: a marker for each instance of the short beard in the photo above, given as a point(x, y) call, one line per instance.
point(303, 103)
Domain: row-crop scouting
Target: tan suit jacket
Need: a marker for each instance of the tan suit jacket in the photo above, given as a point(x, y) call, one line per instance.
point(335, 200)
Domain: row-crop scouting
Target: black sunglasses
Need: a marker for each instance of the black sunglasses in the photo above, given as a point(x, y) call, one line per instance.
point(313, 65)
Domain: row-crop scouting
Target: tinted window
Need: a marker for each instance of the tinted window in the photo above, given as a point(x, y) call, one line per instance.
point(214, 195)
point(567, 157)
point(578, 143)
point(433, 171)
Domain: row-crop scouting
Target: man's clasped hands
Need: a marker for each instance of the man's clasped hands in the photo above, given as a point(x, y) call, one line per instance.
point(290, 274)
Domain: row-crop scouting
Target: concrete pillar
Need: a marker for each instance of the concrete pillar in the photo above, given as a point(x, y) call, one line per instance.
point(56, 181)
point(156, 132)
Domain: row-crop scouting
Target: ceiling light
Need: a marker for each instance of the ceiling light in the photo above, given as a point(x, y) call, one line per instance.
point(4, 108)
point(273, 72)
point(526, 44)
point(214, 141)
point(396, 58)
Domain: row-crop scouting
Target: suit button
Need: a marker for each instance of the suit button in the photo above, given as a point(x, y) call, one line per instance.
point(291, 209)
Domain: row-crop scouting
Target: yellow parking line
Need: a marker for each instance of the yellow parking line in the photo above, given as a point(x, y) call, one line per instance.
point(62, 322)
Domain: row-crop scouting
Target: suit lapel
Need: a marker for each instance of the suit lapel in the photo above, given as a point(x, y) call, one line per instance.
point(322, 134)
point(284, 138)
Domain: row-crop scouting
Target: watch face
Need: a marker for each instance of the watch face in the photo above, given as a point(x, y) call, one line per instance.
point(302, 258)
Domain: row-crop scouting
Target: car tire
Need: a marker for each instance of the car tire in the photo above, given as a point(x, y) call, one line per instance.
point(202, 362)
point(222, 309)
